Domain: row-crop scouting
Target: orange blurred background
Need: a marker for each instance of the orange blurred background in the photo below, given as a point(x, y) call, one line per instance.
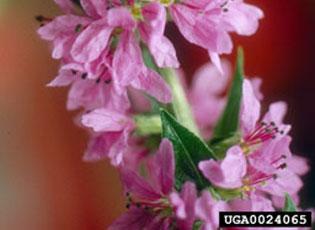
point(43, 182)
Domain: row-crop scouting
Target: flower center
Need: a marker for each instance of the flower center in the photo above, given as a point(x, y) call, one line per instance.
point(136, 11)
point(160, 206)
point(166, 2)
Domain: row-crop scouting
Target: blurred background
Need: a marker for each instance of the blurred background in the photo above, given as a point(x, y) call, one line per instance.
point(43, 182)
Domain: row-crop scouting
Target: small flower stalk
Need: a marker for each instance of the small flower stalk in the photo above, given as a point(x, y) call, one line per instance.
point(183, 153)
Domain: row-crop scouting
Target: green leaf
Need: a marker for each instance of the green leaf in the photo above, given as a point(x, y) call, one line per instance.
point(189, 151)
point(226, 132)
point(197, 225)
point(289, 205)
point(229, 122)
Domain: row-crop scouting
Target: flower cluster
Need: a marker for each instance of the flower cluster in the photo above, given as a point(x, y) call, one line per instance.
point(233, 158)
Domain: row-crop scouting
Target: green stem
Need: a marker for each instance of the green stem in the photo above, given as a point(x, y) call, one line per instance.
point(148, 125)
point(180, 103)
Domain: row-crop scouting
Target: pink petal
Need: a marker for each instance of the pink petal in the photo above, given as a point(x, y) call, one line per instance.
point(286, 182)
point(94, 8)
point(254, 203)
point(64, 78)
point(121, 17)
point(163, 52)
point(153, 84)
point(166, 163)
point(203, 206)
point(65, 5)
point(179, 205)
point(133, 219)
point(62, 26)
point(138, 186)
point(242, 17)
point(152, 32)
point(298, 165)
point(127, 62)
point(276, 112)
point(256, 84)
point(250, 109)
point(208, 34)
point(208, 80)
point(99, 146)
point(229, 173)
point(104, 120)
point(91, 42)
point(216, 61)
point(208, 210)
point(120, 148)
point(189, 196)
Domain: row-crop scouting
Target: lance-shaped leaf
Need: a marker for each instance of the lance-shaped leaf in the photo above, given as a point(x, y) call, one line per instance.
point(226, 131)
point(289, 205)
point(189, 151)
point(229, 121)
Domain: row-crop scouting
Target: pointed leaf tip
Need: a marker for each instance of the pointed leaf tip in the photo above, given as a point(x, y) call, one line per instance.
point(228, 125)
point(289, 205)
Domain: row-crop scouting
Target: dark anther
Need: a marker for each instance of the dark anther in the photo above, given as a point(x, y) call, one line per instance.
point(127, 206)
point(272, 123)
point(274, 176)
point(84, 76)
point(107, 81)
point(281, 132)
point(74, 72)
point(42, 19)
point(283, 166)
point(127, 194)
point(98, 80)
point(138, 205)
point(263, 123)
point(225, 10)
point(39, 18)
point(78, 28)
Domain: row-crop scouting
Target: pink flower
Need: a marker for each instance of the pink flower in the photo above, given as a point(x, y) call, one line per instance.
point(267, 145)
point(86, 40)
point(152, 32)
point(153, 198)
point(92, 86)
point(229, 172)
point(259, 162)
point(207, 210)
point(62, 32)
point(65, 5)
point(206, 97)
point(129, 70)
point(207, 23)
point(111, 136)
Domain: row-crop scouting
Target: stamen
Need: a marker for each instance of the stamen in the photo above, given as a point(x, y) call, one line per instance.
point(42, 20)
point(78, 28)
point(108, 81)
point(84, 76)
point(263, 132)
point(282, 166)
